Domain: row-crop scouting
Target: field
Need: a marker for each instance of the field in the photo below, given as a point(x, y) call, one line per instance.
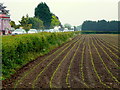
point(87, 61)
point(18, 50)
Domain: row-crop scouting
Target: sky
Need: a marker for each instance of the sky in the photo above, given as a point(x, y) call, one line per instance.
point(74, 12)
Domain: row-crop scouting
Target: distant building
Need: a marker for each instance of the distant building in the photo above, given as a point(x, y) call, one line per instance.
point(4, 20)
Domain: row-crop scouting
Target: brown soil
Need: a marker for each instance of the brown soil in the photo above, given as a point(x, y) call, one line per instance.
point(59, 60)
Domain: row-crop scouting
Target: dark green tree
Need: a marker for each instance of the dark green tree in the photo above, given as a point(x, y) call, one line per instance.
point(42, 12)
point(100, 25)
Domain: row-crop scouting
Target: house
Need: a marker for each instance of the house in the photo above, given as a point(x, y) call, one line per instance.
point(4, 20)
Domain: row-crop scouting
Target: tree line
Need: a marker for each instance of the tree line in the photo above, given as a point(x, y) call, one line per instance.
point(101, 25)
point(43, 19)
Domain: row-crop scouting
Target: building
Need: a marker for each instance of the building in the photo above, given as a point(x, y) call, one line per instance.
point(4, 20)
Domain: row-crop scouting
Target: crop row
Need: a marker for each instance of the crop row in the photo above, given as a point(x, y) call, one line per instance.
point(70, 65)
point(31, 70)
point(106, 52)
point(33, 85)
point(109, 44)
point(110, 38)
point(110, 50)
point(104, 62)
point(81, 65)
point(94, 68)
point(53, 75)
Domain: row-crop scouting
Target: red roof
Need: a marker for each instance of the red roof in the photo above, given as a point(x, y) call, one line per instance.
point(4, 16)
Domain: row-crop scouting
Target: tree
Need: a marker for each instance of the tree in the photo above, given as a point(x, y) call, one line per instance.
point(36, 23)
point(75, 28)
point(55, 21)
point(12, 23)
point(67, 26)
point(79, 27)
point(18, 26)
point(100, 25)
point(24, 23)
point(42, 12)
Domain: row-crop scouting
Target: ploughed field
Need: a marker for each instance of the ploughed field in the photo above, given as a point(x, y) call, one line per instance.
point(87, 61)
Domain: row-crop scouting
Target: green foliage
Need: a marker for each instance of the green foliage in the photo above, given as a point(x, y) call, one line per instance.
point(12, 23)
point(36, 23)
point(49, 19)
point(79, 27)
point(18, 26)
point(42, 12)
point(101, 25)
point(99, 32)
point(55, 21)
point(20, 49)
point(24, 23)
point(67, 26)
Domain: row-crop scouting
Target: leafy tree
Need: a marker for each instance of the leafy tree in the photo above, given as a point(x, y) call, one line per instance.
point(42, 12)
point(55, 21)
point(67, 26)
point(24, 23)
point(12, 23)
point(18, 26)
point(36, 23)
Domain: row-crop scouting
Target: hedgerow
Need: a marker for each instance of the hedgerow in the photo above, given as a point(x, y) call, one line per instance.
point(18, 50)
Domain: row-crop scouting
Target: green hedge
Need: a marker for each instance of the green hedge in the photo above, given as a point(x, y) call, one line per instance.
point(100, 32)
point(18, 50)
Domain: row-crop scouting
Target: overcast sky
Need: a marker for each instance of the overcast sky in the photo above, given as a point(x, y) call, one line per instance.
point(73, 12)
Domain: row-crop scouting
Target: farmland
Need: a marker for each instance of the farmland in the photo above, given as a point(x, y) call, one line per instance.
point(87, 61)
